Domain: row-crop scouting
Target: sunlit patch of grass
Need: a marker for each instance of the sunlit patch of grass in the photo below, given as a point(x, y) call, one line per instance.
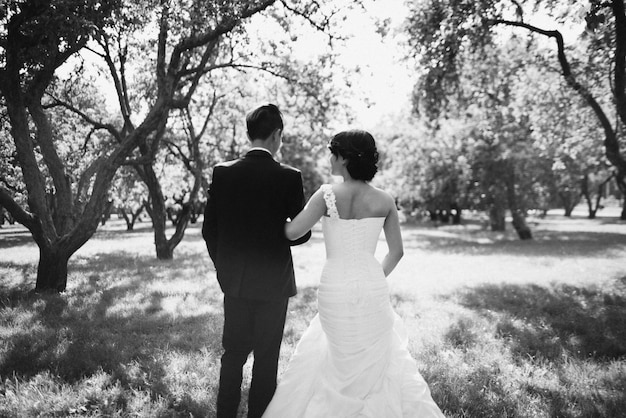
point(46, 393)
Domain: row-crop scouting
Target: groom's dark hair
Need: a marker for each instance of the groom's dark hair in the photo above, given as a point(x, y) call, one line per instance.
point(263, 120)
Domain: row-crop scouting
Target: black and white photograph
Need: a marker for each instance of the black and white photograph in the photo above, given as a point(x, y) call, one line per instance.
point(313, 208)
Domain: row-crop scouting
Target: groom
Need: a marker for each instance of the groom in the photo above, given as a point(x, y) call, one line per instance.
point(249, 201)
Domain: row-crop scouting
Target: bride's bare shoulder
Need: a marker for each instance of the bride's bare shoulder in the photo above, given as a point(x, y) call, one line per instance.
point(383, 195)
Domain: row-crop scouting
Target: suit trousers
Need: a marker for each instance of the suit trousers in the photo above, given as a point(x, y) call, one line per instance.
point(250, 326)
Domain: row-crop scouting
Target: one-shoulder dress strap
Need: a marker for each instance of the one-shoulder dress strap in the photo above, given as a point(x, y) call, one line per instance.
point(330, 200)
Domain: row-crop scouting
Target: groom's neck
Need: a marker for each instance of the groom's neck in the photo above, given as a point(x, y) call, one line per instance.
point(258, 143)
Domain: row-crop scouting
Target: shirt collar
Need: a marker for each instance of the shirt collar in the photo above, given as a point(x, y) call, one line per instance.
point(261, 149)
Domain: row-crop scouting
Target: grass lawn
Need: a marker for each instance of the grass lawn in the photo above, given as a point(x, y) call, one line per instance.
point(499, 327)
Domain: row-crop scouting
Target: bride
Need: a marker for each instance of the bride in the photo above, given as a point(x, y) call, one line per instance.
point(353, 360)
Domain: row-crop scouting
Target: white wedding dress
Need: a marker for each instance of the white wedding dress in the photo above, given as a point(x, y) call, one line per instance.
point(353, 360)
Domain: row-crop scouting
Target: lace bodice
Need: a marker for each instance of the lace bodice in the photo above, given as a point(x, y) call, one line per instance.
point(348, 237)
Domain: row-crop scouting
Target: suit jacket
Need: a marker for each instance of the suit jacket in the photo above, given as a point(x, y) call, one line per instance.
point(249, 200)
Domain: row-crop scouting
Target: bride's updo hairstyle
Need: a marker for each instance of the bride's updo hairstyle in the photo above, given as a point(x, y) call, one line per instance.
point(359, 149)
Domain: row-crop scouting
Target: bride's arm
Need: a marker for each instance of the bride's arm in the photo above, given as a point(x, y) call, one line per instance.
point(305, 220)
point(393, 236)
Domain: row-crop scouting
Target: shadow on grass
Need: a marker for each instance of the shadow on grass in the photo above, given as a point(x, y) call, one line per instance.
point(25, 271)
point(548, 322)
point(565, 244)
point(15, 237)
point(76, 334)
point(73, 344)
point(559, 349)
point(116, 319)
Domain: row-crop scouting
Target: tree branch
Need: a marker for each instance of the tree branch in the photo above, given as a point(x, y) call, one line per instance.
point(182, 103)
point(620, 58)
point(208, 51)
point(611, 142)
point(96, 124)
point(219, 30)
point(20, 215)
point(119, 84)
point(124, 85)
point(519, 12)
point(83, 181)
point(305, 17)
point(177, 151)
point(10, 187)
point(209, 115)
point(162, 41)
point(56, 167)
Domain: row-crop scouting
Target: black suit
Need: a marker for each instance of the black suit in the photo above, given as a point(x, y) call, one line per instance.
point(249, 201)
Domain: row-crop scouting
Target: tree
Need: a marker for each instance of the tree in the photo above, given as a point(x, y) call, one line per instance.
point(128, 196)
point(199, 64)
point(587, 184)
point(10, 175)
point(500, 152)
point(445, 33)
point(563, 137)
point(37, 38)
point(497, 136)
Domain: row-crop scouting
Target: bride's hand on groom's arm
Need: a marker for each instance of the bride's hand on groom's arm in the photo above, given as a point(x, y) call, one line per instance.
point(308, 217)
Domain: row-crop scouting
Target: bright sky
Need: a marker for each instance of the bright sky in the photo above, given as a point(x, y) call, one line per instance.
point(383, 85)
point(385, 79)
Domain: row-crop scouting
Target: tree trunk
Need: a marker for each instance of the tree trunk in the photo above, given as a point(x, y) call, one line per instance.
point(164, 246)
point(592, 214)
point(130, 221)
point(518, 214)
point(129, 226)
point(131, 217)
point(106, 215)
point(456, 214)
point(163, 249)
point(593, 210)
point(157, 212)
point(135, 215)
point(52, 270)
point(584, 187)
point(497, 218)
point(197, 210)
point(159, 218)
point(569, 199)
point(621, 185)
point(520, 225)
point(171, 215)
